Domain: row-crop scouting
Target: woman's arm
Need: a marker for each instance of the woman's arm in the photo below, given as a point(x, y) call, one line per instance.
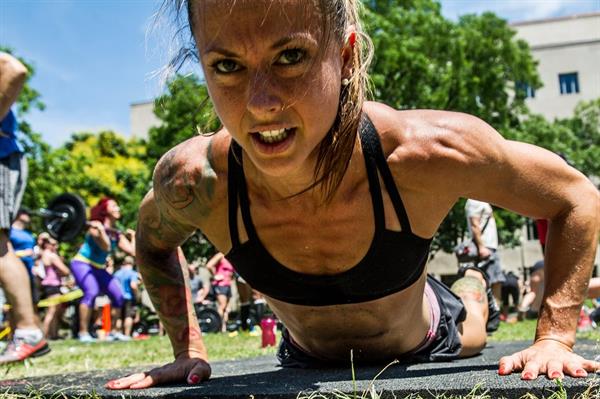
point(169, 214)
point(472, 160)
point(13, 75)
point(98, 233)
point(127, 244)
point(57, 261)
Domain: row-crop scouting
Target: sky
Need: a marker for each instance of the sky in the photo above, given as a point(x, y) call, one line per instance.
point(94, 58)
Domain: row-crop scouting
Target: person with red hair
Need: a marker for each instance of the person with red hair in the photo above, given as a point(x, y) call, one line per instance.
point(89, 265)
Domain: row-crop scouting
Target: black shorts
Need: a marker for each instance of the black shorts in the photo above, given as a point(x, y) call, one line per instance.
point(446, 346)
point(129, 309)
point(50, 290)
point(222, 290)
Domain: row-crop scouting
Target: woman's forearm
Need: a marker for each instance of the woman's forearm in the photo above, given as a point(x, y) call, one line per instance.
point(164, 274)
point(569, 258)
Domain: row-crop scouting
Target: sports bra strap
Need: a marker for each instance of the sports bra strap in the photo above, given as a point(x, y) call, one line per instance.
point(366, 132)
point(386, 175)
point(232, 188)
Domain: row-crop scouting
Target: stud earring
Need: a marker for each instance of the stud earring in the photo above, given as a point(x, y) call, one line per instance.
point(345, 82)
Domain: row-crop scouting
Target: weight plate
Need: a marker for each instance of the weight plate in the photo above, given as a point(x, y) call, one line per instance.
point(66, 229)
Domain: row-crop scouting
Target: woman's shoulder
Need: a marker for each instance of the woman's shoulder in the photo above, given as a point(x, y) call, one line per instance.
point(196, 166)
point(418, 143)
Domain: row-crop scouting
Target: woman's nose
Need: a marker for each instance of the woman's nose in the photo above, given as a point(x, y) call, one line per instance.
point(263, 97)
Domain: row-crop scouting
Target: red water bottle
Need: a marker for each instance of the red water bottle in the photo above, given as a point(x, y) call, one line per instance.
point(268, 325)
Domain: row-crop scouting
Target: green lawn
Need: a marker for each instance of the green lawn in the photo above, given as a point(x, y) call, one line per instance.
point(71, 356)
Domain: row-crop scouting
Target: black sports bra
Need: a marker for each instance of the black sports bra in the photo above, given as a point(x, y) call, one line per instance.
point(394, 261)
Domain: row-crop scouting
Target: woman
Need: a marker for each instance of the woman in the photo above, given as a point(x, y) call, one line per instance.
point(54, 270)
point(88, 266)
point(331, 202)
point(222, 277)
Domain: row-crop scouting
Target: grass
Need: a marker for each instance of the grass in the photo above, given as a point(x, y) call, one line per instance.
point(70, 356)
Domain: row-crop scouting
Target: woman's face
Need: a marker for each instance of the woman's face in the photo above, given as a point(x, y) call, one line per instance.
point(275, 85)
point(113, 210)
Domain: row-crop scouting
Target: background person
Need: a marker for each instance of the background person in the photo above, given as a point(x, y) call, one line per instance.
point(222, 278)
point(55, 269)
point(483, 230)
point(89, 265)
point(23, 243)
point(28, 339)
point(331, 203)
point(128, 277)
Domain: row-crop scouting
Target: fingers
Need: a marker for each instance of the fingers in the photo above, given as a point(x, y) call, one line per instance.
point(193, 371)
point(200, 372)
point(511, 363)
point(555, 369)
point(531, 370)
point(125, 382)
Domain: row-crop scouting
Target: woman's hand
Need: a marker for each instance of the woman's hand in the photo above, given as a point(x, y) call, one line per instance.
point(96, 225)
point(185, 368)
point(550, 357)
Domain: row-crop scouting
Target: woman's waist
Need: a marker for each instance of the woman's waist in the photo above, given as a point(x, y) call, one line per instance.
point(377, 330)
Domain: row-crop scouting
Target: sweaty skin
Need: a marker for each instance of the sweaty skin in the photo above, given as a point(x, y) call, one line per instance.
point(435, 157)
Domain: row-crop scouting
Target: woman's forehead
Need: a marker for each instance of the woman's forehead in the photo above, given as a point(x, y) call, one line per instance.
point(242, 20)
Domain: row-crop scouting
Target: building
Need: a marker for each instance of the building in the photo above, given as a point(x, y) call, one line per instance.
point(142, 118)
point(568, 52)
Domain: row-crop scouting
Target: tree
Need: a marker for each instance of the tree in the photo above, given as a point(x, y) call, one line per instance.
point(423, 60)
point(185, 110)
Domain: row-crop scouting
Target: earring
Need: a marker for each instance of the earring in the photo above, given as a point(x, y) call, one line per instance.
point(345, 82)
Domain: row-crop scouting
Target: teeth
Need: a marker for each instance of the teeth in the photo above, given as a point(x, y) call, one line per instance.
point(273, 136)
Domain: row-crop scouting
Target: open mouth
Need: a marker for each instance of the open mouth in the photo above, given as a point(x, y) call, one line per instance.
point(273, 141)
point(273, 136)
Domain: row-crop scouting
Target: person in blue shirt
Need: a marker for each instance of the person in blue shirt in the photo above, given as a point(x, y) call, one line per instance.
point(128, 278)
point(28, 339)
point(23, 243)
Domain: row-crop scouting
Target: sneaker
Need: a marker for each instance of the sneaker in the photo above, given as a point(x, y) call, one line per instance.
point(120, 336)
point(18, 350)
point(86, 338)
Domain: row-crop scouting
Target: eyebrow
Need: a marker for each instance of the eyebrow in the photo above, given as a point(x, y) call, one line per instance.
point(278, 44)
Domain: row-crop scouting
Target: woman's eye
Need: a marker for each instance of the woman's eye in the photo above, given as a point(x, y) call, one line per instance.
point(226, 66)
point(291, 56)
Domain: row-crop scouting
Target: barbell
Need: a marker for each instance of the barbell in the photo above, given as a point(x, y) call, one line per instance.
point(65, 217)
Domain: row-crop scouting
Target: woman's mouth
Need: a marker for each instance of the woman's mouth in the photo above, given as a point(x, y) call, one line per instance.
point(273, 141)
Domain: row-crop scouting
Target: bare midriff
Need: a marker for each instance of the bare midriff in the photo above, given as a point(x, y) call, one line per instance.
point(382, 329)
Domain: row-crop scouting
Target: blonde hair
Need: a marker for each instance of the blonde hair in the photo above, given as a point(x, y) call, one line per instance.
point(340, 17)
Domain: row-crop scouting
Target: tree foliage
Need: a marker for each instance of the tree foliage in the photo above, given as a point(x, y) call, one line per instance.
point(185, 110)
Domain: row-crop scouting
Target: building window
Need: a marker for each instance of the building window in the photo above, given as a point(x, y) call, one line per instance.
point(569, 83)
point(526, 89)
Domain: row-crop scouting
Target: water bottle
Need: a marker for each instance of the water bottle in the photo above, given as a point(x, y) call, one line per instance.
point(268, 325)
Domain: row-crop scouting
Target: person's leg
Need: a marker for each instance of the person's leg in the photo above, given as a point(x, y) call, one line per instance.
point(86, 280)
point(16, 285)
point(471, 289)
point(48, 319)
point(112, 287)
point(245, 293)
point(222, 302)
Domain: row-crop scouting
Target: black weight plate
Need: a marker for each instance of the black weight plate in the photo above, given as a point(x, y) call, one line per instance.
point(69, 228)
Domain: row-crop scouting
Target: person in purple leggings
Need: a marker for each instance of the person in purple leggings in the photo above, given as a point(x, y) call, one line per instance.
point(88, 266)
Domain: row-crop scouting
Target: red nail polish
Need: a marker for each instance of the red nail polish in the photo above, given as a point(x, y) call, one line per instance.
point(194, 379)
point(555, 375)
point(527, 376)
point(581, 373)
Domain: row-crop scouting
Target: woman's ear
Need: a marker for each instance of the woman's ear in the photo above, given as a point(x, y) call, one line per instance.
point(348, 55)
